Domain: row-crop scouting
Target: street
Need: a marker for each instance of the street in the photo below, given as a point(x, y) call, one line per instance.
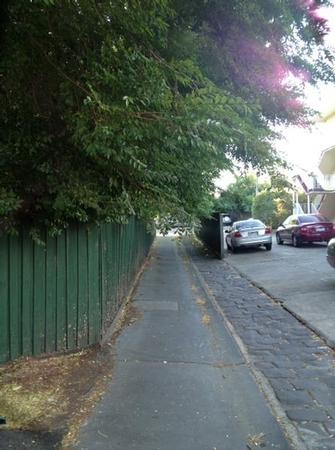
point(294, 361)
point(299, 277)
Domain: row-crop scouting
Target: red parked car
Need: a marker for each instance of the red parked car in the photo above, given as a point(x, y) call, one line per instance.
point(307, 228)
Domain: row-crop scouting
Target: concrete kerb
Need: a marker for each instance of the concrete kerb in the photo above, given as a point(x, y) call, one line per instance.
point(115, 325)
point(329, 342)
point(265, 387)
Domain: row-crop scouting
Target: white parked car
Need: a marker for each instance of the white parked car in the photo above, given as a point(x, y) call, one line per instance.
point(249, 233)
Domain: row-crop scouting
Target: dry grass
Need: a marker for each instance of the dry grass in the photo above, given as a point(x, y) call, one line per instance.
point(58, 392)
point(34, 392)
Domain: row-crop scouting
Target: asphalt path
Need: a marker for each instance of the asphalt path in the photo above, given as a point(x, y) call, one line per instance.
point(180, 381)
point(301, 278)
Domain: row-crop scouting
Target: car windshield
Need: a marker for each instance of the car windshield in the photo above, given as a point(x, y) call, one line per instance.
point(249, 224)
point(310, 218)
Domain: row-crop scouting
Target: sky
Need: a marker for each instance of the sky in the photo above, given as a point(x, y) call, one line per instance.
point(303, 147)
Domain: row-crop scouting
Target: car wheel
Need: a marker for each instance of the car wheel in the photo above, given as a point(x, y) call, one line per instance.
point(295, 241)
point(278, 239)
point(232, 248)
point(268, 246)
point(228, 246)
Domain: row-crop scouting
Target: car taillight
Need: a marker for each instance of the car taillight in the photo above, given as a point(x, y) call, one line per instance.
point(237, 234)
point(268, 230)
point(307, 229)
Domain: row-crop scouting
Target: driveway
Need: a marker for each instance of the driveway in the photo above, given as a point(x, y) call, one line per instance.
point(299, 277)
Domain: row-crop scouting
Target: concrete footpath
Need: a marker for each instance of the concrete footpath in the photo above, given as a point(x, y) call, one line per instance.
point(181, 381)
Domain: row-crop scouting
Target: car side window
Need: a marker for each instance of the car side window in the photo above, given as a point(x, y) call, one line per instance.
point(294, 221)
point(287, 221)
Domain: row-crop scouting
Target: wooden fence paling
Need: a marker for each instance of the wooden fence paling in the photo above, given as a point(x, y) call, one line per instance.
point(63, 296)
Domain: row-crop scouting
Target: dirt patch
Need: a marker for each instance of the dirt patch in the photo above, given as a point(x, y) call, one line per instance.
point(46, 399)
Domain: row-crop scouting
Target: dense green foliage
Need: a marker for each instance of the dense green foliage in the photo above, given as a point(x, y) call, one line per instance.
point(237, 199)
point(284, 208)
point(269, 201)
point(274, 203)
point(109, 109)
point(264, 207)
point(272, 209)
point(281, 191)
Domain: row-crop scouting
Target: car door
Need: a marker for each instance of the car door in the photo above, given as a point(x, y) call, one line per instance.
point(290, 227)
point(294, 225)
point(285, 230)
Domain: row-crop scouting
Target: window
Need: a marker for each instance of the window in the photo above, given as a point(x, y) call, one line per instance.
point(249, 224)
point(311, 218)
point(288, 221)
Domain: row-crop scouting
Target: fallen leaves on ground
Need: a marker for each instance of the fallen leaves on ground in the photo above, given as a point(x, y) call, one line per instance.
point(206, 319)
point(200, 301)
point(257, 440)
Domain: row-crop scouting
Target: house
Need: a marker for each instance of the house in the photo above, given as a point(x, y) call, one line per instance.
point(327, 169)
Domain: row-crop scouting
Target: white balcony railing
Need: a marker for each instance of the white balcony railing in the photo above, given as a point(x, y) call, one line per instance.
point(329, 182)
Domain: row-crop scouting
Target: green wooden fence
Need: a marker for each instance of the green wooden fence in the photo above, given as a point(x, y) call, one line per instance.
point(62, 296)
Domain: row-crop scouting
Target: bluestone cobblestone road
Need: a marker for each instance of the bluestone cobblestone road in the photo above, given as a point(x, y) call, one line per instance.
point(297, 364)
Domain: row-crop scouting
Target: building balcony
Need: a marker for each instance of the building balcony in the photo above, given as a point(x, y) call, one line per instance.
point(327, 165)
point(329, 182)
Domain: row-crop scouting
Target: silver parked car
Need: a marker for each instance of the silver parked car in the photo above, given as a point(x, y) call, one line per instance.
point(331, 252)
point(249, 233)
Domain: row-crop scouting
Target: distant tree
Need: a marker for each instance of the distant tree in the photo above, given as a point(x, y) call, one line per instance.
point(237, 199)
point(264, 207)
point(279, 182)
point(274, 203)
point(284, 206)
